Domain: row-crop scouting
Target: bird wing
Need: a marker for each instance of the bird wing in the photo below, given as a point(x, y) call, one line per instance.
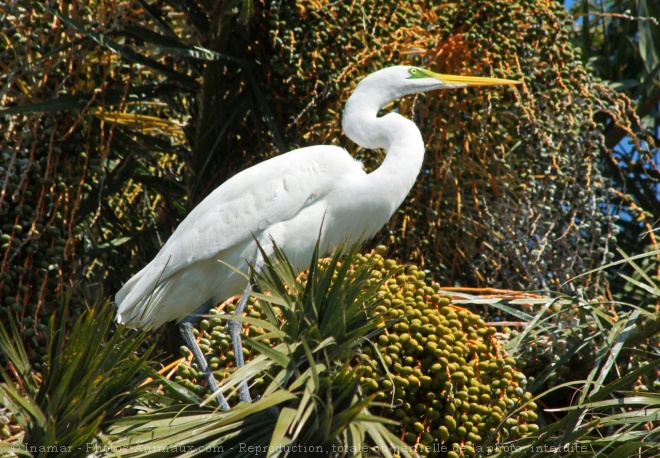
point(243, 207)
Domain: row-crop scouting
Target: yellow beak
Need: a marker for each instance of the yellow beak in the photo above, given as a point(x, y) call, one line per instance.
point(472, 80)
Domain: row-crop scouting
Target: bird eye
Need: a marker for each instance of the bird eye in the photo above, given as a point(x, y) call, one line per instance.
point(416, 73)
point(413, 73)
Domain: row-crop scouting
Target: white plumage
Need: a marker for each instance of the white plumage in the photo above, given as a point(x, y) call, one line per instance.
point(287, 199)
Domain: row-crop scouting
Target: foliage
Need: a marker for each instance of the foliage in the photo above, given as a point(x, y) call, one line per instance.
point(147, 107)
point(311, 401)
point(619, 40)
point(619, 44)
point(598, 415)
point(434, 369)
point(308, 364)
point(97, 99)
point(88, 379)
point(118, 116)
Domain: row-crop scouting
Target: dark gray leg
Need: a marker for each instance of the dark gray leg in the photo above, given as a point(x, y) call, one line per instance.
point(186, 329)
point(236, 340)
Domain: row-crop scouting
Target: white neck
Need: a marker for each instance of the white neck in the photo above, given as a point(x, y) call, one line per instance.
point(399, 136)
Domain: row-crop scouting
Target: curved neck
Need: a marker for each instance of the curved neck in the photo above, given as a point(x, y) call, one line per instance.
point(399, 137)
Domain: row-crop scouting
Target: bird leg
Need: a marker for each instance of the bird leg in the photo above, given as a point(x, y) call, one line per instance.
point(236, 340)
point(186, 329)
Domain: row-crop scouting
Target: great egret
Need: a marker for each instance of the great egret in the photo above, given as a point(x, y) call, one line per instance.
point(293, 199)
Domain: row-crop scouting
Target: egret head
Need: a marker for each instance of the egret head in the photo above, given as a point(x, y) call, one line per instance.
point(384, 86)
point(403, 80)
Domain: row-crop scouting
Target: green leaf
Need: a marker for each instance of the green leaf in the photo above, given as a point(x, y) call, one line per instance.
point(247, 11)
point(284, 421)
point(80, 101)
point(124, 51)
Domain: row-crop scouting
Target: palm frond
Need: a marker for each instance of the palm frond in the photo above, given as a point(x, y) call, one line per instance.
point(89, 377)
point(604, 417)
point(312, 403)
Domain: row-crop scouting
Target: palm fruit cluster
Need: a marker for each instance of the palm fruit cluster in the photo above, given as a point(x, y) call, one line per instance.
point(7, 428)
point(47, 169)
point(450, 383)
point(438, 367)
point(44, 186)
point(53, 168)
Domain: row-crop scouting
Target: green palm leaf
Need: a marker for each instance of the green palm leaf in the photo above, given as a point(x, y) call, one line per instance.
point(312, 402)
point(90, 377)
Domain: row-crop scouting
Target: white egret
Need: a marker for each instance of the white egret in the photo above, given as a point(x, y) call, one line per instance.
point(294, 198)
